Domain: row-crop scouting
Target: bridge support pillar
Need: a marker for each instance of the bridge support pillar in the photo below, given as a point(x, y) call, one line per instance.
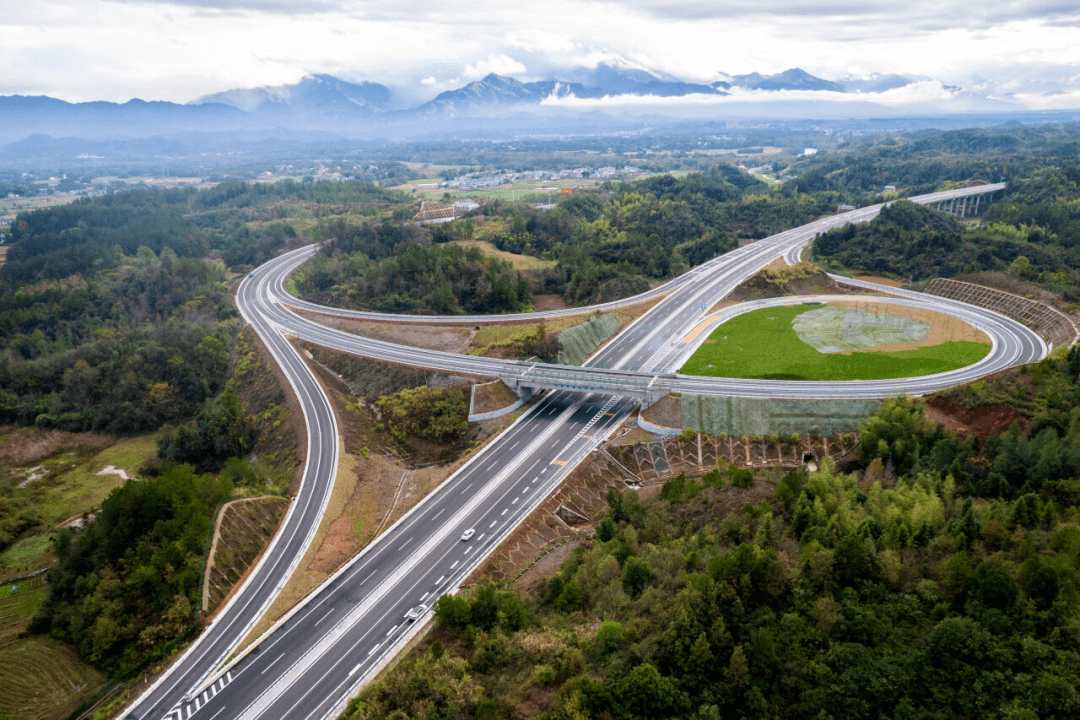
point(652, 397)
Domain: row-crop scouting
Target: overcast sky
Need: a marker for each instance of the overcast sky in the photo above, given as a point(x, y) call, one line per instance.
point(178, 50)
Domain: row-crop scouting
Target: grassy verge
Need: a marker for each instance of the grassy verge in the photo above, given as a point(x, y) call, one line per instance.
point(763, 345)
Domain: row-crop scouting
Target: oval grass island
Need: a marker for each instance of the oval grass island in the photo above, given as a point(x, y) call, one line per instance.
point(857, 339)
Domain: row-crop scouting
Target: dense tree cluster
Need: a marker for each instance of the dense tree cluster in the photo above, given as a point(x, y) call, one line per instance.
point(126, 351)
point(931, 160)
point(435, 413)
point(440, 279)
point(90, 234)
point(126, 587)
point(918, 242)
point(835, 597)
point(222, 431)
point(111, 317)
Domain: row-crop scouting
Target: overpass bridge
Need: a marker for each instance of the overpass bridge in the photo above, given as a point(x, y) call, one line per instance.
point(963, 202)
point(524, 379)
point(302, 667)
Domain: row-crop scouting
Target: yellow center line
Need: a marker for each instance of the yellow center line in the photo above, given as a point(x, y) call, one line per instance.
point(700, 328)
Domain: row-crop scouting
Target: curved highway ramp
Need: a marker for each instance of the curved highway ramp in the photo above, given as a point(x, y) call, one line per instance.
point(314, 659)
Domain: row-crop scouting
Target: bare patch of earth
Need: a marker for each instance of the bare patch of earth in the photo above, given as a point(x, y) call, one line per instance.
point(981, 420)
point(520, 262)
point(880, 280)
point(429, 337)
point(546, 303)
point(633, 436)
point(667, 412)
point(78, 521)
point(492, 396)
point(113, 470)
point(943, 327)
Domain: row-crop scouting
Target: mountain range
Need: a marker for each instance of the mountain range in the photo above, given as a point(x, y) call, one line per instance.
point(328, 104)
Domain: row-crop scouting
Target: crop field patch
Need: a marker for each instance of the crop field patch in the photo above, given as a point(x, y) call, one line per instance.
point(27, 554)
point(763, 345)
point(39, 677)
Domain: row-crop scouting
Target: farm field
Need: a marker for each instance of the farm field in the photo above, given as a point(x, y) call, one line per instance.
point(764, 345)
point(40, 678)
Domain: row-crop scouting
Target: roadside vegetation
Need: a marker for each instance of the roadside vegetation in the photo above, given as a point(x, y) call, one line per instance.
point(126, 587)
point(935, 574)
point(435, 279)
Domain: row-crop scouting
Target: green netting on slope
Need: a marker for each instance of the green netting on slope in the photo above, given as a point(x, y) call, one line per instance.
point(580, 341)
point(715, 414)
point(839, 329)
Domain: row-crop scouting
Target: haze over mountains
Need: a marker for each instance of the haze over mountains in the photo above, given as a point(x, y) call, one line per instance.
point(604, 97)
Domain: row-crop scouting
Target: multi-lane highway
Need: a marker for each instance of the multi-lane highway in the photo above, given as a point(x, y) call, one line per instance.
point(313, 659)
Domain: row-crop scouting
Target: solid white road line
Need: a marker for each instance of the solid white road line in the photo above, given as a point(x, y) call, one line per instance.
point(272, 664)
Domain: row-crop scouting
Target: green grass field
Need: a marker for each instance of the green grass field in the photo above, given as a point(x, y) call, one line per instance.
point(762, 345)
point(81, 489)
point(29, 553)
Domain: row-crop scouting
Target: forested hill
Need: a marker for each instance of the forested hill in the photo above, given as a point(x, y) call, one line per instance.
point(931, 160)
point(114, 310)
point(90, 233)
point(650, 231)
point(1033, 233)
point(935, 576)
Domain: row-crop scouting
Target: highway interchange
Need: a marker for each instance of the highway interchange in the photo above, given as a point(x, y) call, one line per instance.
point(314, 659)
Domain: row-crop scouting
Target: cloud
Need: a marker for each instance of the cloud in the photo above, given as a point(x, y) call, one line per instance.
point(285, 7)
point(430, 80)
point(911, 95)
point(1069, 100)
point(181, 49)
point(914, 14)
point(498, 64)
